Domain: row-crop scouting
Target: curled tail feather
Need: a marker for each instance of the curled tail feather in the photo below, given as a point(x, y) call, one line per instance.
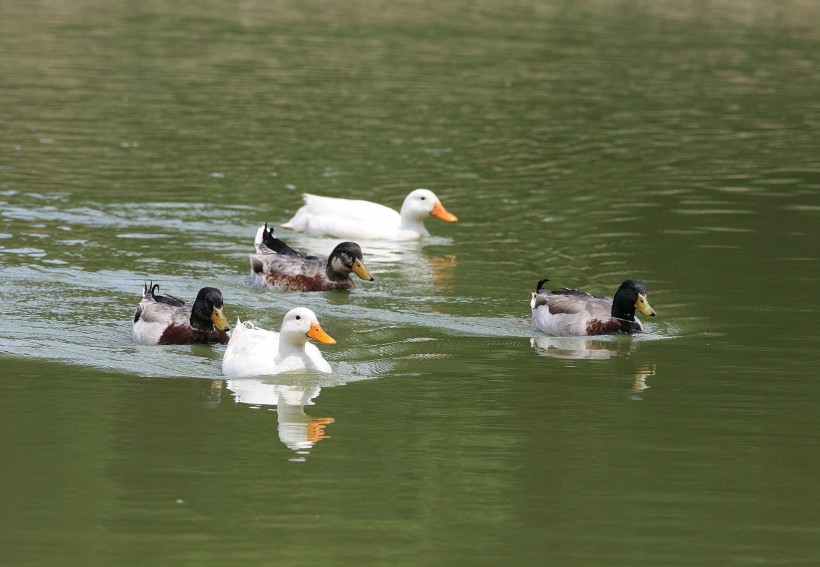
point(540, 285)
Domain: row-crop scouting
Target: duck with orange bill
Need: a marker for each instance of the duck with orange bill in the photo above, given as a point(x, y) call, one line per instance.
point(355, 219)
point(573, 312)
point(168, 320)
point(256, 352)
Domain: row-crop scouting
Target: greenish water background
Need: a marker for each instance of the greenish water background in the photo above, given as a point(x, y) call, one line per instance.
point(585, 142)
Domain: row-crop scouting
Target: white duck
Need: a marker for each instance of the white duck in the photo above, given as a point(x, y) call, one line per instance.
point(256, 352)
point(348, 218)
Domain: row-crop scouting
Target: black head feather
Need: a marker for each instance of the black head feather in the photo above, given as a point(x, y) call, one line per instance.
point(206, 300)
point(623, 304)
point(343, 259)
point(637, 285)
point(349, 248)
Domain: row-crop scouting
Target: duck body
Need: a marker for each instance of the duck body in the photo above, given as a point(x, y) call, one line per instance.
point(573, 312)
point(257, 352)
point(167, 320)
point(277, 266)
point(349, 218)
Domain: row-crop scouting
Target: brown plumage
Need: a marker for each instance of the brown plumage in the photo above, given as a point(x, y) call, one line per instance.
point(573, 312)
point(166, 320)
point(269, 277)
point(279, 267)
point(186, 335)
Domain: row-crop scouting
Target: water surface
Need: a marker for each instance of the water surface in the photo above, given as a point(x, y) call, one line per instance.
point(586, 143)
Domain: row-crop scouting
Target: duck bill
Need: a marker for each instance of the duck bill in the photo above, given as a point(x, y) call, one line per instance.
point(219, 320)
point(361, 271)
point(318, 333)
point(441, 213)
point(643, 306)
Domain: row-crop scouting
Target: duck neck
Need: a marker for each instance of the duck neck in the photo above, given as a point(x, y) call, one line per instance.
point(414, 224)
point(292, 345)
point(201, 317)
point(623, 309)
point(336, 271)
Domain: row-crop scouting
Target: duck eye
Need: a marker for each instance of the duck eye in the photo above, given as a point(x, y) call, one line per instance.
point(423, 198)
point(298, 317)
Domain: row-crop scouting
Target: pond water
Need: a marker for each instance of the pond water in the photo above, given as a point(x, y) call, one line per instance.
point(591, 142)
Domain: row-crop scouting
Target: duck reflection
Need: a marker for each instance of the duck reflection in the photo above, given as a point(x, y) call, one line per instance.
point(297, 430)
point(411, 265)
point(620, 348)
point(639, 382)
point(441, 270)
point(208, 392)
point(575, 348)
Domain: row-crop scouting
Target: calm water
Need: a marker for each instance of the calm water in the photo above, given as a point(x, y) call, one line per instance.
point(585, 142)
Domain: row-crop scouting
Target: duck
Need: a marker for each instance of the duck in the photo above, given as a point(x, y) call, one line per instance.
point(168, 320)
point(253, 351)
point(573, 312)
point(277, 266)
point(355, 219)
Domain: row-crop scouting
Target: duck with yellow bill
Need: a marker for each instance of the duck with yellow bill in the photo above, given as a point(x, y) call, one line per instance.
point(573, 312)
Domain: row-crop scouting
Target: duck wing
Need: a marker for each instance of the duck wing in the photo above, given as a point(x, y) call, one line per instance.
point(573, 301)
point(353, 209)
point(284, 265)
point(346, 218)
point(169, 300)
point(154, 308)
point(162, 312)
point(149, 295)
point(250, 351)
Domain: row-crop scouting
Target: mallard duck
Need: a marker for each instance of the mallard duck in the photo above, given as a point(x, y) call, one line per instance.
point(348, 218)
point(278, 266)
point(573, 312)
point(167, 320)
point(255, 352)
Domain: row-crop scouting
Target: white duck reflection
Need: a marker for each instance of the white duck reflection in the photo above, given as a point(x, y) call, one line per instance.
point(297, 430)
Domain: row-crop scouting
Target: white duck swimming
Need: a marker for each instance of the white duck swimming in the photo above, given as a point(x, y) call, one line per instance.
point(348, 218)
point(256, 352)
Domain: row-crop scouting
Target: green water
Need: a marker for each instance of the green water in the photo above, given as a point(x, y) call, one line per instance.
point(585, 142)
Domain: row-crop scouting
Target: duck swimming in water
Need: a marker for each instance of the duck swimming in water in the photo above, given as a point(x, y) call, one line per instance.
point(167, 320)
point(349, 218)
point(255, 352)
point(573, 312)
point(277, 266)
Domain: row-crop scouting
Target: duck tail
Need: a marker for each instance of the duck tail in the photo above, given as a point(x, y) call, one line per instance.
point(149, 290)
point(540, 285)
point(259, 239)
point(267, 243)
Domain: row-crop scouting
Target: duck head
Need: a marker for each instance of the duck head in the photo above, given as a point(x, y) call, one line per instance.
point(346, 258)
point(208, 311)
point(629, 297)
point(422, 203)
point(300, 325)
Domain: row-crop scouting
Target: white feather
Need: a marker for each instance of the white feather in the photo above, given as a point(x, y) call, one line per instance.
point(356, 219)
point(253, 351)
